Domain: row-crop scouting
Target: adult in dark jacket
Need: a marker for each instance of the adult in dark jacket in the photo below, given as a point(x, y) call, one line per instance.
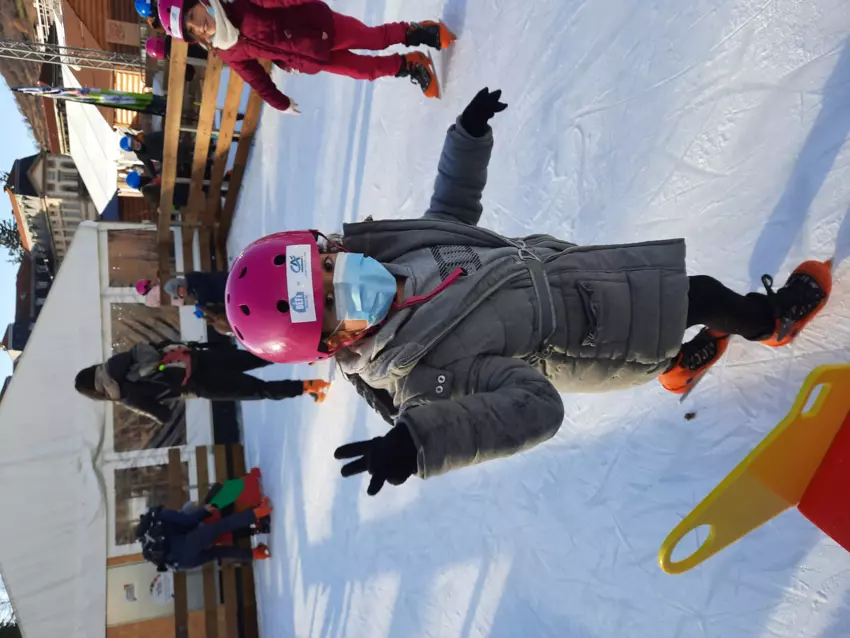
point(182, 540)
point(305, 36)
point(147, 378)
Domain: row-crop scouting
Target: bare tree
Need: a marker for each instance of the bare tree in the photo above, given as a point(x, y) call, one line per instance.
point(10, 239)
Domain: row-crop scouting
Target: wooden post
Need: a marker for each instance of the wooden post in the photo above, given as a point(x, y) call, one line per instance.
point(228, 571)
point(173, 117)
point(206, 119)
point(210, 593)
point(249, 595)
point(176, 497)
point(222, 150)
point(246, 140)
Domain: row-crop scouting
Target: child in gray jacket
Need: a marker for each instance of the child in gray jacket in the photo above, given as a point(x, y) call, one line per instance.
point(463, 338)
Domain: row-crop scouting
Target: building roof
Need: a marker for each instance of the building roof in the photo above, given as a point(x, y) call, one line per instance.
point(19, 180)
point(53, 532)
point(19, 220)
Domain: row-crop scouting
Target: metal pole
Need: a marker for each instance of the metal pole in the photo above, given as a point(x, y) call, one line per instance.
point(72, 56)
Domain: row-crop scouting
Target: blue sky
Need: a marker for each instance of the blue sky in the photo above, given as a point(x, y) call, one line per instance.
point(17, 142)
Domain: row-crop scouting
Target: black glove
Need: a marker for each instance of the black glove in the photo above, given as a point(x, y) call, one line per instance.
point(391, 457)
point(476, 116)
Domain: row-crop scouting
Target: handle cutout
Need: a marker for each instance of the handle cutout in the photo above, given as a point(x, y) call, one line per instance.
point(674, 557)
point(814, 402)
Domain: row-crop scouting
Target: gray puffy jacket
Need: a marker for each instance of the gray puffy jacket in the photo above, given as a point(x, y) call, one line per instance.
point(474, 373)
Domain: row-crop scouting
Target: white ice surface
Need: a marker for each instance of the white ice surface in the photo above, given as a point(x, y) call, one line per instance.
point(723, 121)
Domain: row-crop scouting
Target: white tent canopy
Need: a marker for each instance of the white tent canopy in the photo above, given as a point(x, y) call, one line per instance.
point(94, 147)
point(53, 527)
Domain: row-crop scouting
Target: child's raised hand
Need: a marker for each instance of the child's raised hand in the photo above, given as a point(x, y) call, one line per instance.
point(389, 458)
point(292, 109)
point(475, 118)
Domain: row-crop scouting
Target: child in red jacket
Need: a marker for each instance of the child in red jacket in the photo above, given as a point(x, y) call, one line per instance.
point(305, 36)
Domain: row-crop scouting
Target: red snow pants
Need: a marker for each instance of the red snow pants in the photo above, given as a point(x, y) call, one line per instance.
point(350, 33)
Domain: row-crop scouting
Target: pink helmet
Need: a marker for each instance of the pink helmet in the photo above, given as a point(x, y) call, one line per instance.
point(143, 286)
point(155, 47)
point(171, 17)
point(275, 298)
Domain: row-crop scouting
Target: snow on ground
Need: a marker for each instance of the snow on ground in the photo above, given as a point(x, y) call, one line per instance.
point(723, 121)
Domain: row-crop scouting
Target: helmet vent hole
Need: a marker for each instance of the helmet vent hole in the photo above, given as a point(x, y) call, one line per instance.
point(228, 297)
point(245, 310)
point(280, 260)
point(238, 333)
point(244, 272)
point(283, 306)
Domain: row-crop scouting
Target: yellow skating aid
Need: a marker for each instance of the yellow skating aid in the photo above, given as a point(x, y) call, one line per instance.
point(774, 476)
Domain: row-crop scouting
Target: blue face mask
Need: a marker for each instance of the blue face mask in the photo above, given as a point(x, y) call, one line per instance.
point(363, 288)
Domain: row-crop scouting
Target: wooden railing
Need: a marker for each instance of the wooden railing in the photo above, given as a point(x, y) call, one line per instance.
point(203, 214)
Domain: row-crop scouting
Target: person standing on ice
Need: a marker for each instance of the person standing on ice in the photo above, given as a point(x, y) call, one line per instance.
point(148, 377)
point(302, 35)
point(463, 338)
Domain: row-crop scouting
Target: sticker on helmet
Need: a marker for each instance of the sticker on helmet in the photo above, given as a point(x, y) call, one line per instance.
point(177, 22)
point(299, 283)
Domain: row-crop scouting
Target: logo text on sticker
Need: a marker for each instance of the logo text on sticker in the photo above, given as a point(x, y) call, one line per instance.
point(299, 302)
point(299, 283)
point(296, 264)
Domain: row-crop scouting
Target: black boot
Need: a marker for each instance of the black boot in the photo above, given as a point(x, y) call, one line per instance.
point(429, 33)
point(798, 301)
point(694, 360)
point(263, 526)
point(417, 67)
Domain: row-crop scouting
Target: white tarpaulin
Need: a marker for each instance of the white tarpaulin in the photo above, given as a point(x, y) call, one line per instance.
point(94, 147)
point(53, 527)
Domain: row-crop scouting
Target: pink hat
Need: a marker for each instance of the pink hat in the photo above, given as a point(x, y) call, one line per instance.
point(274, 298)
point(155, 47)
point(171, 17)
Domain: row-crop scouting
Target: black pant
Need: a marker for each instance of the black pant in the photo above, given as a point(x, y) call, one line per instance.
point(196, 547)
point(713, 305)
point(220, 375)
